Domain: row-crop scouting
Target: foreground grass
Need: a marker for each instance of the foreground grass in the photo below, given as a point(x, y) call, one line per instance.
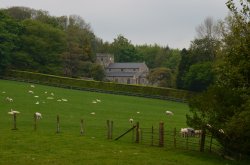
point(44, 146)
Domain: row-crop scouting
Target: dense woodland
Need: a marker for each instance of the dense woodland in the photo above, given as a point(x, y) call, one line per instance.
point(217, 62)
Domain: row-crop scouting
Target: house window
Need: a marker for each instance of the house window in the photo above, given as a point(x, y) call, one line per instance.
point(122, 70)
point(128, 81)
point(134, 69)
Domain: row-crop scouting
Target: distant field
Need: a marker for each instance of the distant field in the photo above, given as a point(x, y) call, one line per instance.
point(44, 146)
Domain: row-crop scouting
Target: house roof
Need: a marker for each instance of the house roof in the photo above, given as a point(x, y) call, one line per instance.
point(126, 65)
point(125, 74)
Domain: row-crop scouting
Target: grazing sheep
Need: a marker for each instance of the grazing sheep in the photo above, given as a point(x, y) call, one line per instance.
point(3, 92)
point(30, 91)
point(64, 100)
point(32, 86)
point(59, 100)
point(138, 112)
point(94, 102)
point(92, 113)
point(131, 120)
point(38, 115)
point(98, 100)
point(169, 113)
point(37, 102)
point(209, 126)
point(9, 99)
point(221, 131)
point(185, 132)
point(197, 133)
point(36, 96)
point(13, 112)
point(52, 94)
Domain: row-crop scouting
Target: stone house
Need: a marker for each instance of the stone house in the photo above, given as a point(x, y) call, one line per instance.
point(126, 73)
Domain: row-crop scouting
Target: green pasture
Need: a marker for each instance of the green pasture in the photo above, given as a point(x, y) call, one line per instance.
point(45, 146)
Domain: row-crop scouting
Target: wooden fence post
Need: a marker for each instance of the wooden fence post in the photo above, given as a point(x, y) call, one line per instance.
point(35, 122)
point(111, 129)
point(14, 119)
point(203, 137)
point(152, 136)
point(108, 126)
point(211, 141)
point(174, 137)
point(58, 124)
point(81, 127)
point(161, 134)
point(137, 138)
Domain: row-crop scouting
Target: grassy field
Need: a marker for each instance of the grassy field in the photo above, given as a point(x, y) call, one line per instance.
point(44, 146)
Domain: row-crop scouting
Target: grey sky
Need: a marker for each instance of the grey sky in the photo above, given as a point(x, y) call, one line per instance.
point(164, 22)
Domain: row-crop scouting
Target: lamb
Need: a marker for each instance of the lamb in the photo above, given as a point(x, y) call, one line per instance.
point(169, 113)
point(38, 115)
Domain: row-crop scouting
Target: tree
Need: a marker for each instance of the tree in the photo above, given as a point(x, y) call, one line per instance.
point(161, 77)
point(9, 37)
point(41, 46)
point(97, 72)
point(226, 104)
point(124, 51)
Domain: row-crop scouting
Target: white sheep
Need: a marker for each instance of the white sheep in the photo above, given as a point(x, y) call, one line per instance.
point(92, 113)
point(197, 133)
point(221, 131)
point(32, 86)
point(184, 132)
point(30, 91)
point(98, 100)
point(138, 112)
point(169, 113)
point(131, 120)
point(13, 112)
point(64, 100)
point(94, 102)
point(38, 115)
point(209, 126)
point(37, 102)
point(9, 99)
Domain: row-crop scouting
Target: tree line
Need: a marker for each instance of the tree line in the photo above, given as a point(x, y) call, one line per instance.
point(33, 40)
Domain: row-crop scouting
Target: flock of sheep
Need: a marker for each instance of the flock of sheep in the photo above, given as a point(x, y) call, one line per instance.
point(185, 132)
point(37, 115)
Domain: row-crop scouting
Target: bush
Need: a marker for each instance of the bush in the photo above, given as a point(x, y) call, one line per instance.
point(109, 87)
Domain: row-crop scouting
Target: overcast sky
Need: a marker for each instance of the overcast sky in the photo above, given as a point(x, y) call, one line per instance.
point(164, 22)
